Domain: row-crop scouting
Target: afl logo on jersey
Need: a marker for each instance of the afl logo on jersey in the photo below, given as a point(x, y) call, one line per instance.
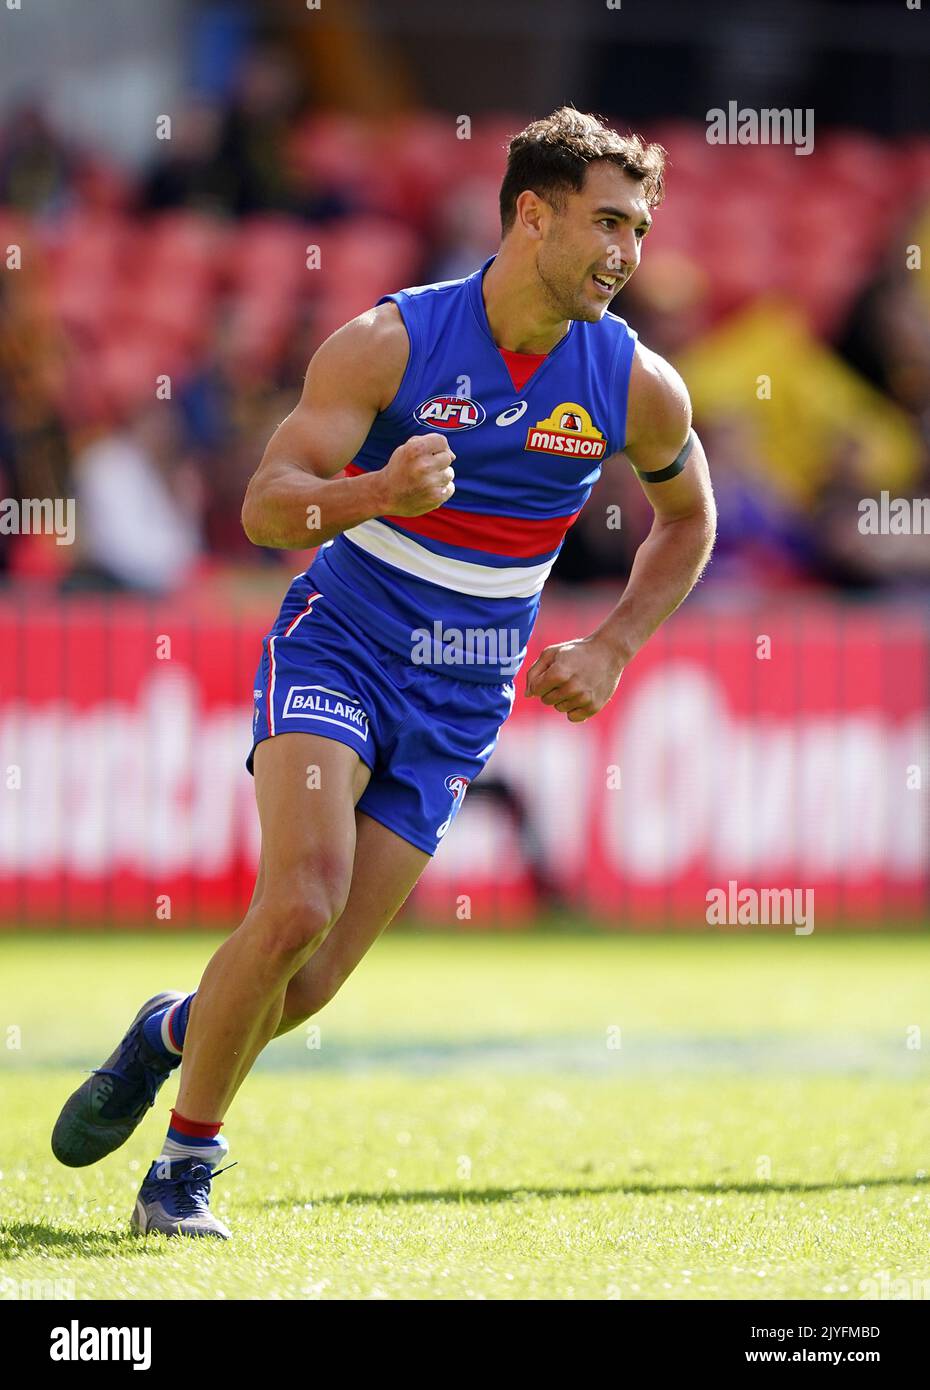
point(450, 413)
point(570, 431)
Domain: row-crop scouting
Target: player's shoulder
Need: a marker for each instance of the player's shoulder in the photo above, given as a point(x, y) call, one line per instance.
point(367, 356)
point(659, 405)
point(379, 329)
point(611, 338)
point(376, 344)
point(438, 288)
point(390, 319)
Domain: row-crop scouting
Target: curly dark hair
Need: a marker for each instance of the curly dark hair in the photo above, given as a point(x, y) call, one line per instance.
point(551, 157)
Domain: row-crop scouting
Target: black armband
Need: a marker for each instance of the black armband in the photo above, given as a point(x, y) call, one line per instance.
point(662, 475)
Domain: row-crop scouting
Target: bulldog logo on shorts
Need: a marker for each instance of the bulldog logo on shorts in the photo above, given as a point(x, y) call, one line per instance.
point(457, 785)
point(322, 705)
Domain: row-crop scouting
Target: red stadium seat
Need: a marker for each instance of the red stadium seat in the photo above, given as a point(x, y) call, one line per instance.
point(419, 159)
point(485, 154)
point(188, 244)
point(175, 307)
point(335, 149)
point(688, 150)
point(368, 252)
point(15, 230)
point(128, 368)
point(270, 253)
point(85, 262)
point(258, 331)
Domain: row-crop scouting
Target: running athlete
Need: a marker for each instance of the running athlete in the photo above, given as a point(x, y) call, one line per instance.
point(470, 419)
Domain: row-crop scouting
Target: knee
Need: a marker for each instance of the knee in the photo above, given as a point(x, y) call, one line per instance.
point(295, 918)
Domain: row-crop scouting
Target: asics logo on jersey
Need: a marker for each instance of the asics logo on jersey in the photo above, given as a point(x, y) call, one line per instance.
point(450, 413)
point(570, 431)
point(512, 414)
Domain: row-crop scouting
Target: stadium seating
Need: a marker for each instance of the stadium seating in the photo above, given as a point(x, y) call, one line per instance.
point(758, 220)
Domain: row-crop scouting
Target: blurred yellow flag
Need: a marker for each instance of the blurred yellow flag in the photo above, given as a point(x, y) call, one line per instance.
point(799, 401)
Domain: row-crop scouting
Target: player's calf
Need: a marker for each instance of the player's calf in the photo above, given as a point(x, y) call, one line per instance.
point(309, 991)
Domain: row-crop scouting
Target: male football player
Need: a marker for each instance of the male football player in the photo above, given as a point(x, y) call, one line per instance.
point(444, 442)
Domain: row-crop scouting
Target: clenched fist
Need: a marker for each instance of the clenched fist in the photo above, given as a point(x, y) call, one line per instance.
point(577, 677)
point(418, 476)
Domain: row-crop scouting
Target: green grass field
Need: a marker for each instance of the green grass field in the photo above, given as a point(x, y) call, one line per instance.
point(547, 1116)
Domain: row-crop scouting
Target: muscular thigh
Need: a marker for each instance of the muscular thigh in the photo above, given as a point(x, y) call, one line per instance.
point(306, 787)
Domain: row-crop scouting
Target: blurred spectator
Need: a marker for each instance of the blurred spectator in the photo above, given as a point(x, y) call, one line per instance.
point(34, 354)
point(191, 174)
point(468, 232)
point(601, 544)
point(138, 506)
point(887, 336)
point(764, 540)
point(238, 160)
point(255, 131)
point(849, 556)
point(37, 167)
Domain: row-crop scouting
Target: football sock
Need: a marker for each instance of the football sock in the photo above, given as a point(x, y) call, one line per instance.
point(164, 1031)
point(193, 1139)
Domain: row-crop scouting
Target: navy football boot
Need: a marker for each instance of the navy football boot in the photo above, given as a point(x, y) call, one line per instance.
point(102, 1113)
point(174, 1200)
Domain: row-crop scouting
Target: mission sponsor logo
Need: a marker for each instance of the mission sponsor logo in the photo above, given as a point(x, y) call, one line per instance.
point(326, 706)
point(450, 413)
point(568, 431)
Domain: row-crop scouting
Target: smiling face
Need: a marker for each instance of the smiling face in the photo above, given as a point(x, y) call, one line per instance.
point(587, 251)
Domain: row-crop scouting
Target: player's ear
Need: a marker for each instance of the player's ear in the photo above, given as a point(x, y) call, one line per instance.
point(530, 209)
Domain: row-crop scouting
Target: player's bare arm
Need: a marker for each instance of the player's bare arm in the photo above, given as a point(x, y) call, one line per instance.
point(580, 676)
point(294, 500)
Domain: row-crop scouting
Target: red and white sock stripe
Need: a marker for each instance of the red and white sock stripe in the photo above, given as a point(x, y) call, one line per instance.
point(169, 1041)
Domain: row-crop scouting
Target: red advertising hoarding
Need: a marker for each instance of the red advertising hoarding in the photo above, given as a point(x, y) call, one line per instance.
point(785, 752)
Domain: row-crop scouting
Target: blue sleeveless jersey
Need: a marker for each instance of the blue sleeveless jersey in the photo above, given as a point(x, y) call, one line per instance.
point(459, 588)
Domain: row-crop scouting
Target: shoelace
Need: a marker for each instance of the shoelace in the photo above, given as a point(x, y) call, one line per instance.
point(195, 1188)
point(152, 1083)
point(151, 1080)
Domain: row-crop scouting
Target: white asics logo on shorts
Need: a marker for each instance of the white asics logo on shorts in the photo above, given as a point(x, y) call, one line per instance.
point(457, 784)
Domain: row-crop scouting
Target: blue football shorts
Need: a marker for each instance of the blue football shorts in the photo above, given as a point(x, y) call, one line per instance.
point(425, 734)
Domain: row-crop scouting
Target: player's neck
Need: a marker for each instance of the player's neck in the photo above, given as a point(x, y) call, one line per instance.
point(518, 317)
